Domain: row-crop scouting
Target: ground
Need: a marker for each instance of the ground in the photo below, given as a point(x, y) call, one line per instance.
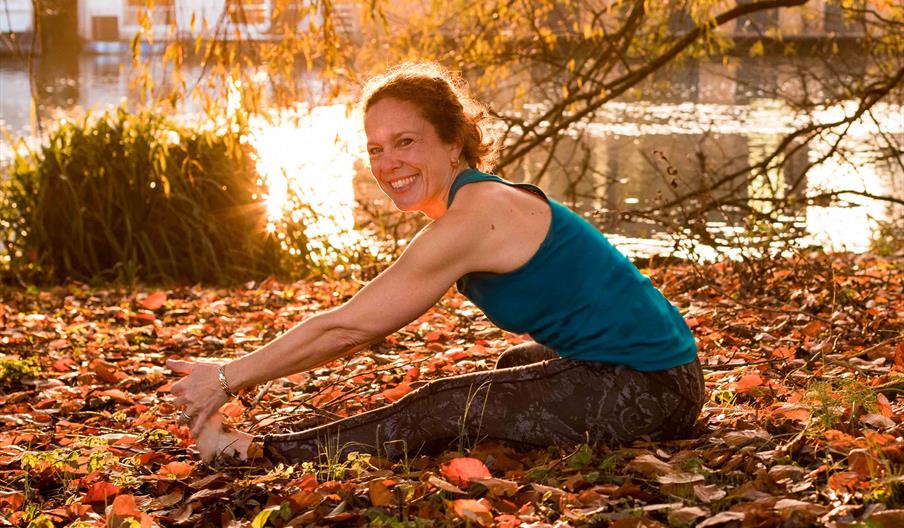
point(804, 363)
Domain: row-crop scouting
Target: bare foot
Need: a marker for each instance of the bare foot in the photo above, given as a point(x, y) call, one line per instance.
point(217, 439)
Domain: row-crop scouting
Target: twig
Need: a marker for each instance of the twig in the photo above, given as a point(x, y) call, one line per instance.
point(869, 349)
point(261, 393)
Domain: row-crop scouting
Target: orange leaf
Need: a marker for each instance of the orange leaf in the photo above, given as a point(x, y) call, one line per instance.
point(233, 409)
point(812, 329)
point(154, 300)
point(884, 406)
point(107, 372)
point(748, 382)
point(101, 492)
point(899, 355)
point(303, 499)
point(125, 506)
point(462, 470)
point(175, 469)
point(844, 481)
point(794, 412)
point(862, 462)
point(397, 392)
point(117, 395)
point(473, 511)
point(379, 494)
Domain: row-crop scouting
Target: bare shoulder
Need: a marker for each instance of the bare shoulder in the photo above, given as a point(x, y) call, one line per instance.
point(505, 224)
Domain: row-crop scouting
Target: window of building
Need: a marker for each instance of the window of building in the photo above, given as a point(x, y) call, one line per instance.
point(247, 11)
point(162, 12)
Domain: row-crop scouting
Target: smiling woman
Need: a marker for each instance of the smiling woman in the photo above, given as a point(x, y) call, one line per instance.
point(612, 360)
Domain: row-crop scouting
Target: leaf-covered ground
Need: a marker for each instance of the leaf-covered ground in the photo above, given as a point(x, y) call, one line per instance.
point(804, 362)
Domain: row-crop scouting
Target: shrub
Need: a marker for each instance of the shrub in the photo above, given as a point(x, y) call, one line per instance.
point(137, 197)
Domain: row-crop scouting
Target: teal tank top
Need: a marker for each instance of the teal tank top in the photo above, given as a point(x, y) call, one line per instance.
point(580, 296)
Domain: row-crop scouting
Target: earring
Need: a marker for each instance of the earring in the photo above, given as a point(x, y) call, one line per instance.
point(454, 163)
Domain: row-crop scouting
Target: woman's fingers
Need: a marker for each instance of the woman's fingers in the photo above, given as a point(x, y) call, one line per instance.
point(180, 367)
point(198, 393)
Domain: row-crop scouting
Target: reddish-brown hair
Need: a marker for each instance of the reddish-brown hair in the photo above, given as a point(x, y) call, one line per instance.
point(441, 98)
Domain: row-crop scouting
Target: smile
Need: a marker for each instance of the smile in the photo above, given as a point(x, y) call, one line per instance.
point(403, 182)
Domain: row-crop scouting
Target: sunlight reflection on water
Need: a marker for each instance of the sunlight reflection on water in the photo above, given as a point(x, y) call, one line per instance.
point(316, 152)
point(313, 152)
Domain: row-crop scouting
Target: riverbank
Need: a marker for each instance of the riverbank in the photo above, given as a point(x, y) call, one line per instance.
point(804, 362)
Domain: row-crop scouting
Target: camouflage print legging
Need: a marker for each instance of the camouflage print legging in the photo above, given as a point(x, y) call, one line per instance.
point(532, 398)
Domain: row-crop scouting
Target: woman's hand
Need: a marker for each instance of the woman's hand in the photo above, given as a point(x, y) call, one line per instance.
point(199, 393)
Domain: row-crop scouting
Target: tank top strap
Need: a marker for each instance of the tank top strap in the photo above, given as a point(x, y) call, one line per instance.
point(473, 175)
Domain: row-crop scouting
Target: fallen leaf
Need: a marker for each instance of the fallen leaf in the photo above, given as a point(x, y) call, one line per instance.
point(709, 492)
point(154, 301)
point(844, 481)
point(445, 486)
point(474, 511)
point(886, 519)
point(101, 492)
point(800, 506)
point(722, 518)
point(746, 437)
point(649, 466)
point(124, 511)
point(686, 516)
point(175, 470)
point(461, 470)
point(397, 392)
point(379, 494)
point(748, 382)
point(496, 486)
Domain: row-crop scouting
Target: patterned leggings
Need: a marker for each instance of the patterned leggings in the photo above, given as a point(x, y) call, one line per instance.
point(532, 398)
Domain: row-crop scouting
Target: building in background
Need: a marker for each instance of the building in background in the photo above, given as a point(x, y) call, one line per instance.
point(105, 25)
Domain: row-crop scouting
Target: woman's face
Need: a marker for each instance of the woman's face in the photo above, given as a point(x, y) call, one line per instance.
point(412, 165)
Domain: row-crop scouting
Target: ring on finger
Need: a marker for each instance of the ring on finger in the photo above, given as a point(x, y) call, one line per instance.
point(183, 417)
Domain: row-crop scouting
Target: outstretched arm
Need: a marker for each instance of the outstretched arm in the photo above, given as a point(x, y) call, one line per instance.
point(440, 254)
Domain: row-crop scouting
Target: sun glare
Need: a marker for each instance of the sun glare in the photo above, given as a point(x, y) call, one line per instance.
point(312, 152)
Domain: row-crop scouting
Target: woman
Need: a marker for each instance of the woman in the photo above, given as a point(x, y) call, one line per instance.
point(612, 359)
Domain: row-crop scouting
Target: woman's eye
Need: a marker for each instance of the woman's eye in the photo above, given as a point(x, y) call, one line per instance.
point(404, 142)
point(374, 152)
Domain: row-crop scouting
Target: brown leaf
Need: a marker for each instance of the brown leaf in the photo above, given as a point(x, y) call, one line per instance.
point(812, 329)
point(305, 499)
point(649, 466)
point(862, 462)
point(886, 519)
point(107, 372)
point(844, 481)
point(709, 492)
point(722, 518)
point(379, 493)
point(686, 516)
point(445, 486)
point(793, 505)
point(498, 487)
point(472, 510)
point(739, 439)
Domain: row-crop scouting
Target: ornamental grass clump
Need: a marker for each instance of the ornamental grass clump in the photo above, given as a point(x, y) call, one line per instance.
point(137, 197)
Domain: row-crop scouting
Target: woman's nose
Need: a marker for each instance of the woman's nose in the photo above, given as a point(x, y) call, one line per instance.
point(389, 161)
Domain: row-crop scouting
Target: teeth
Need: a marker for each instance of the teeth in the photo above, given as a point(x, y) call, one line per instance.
point(398, 184)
